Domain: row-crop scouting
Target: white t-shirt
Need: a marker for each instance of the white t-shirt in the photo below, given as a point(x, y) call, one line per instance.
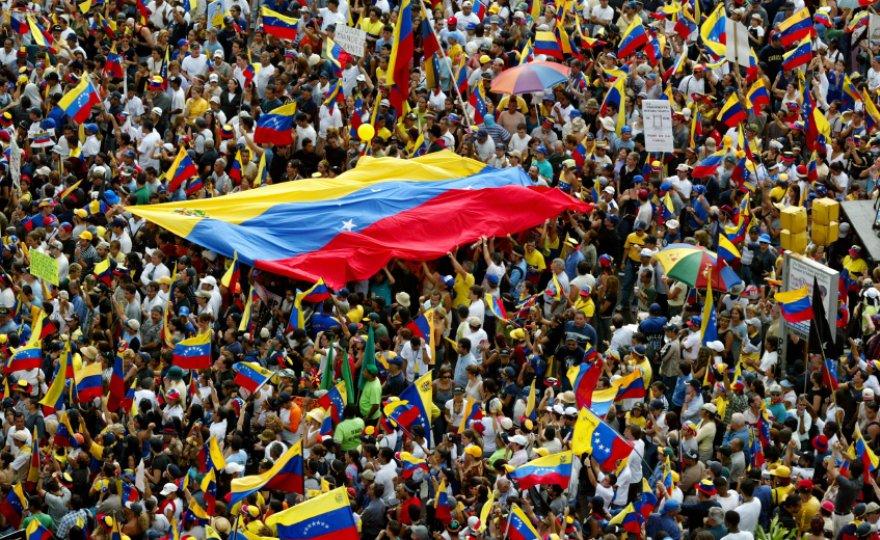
point(741, 535)
point(195, 66)
point(478, 309)
point(749, 512)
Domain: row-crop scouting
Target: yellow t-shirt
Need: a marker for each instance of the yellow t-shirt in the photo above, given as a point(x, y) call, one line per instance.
point(535, 259)
point(195, 108)
point(855, 266)
point(645, 367)
point(550, 245)
point(355, 314)
point(780, 493)
point(588, 307)
point(462, 289)
point(372, 28)
point(634, 244)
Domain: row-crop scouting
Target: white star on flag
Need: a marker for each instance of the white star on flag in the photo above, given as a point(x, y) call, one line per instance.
point(348, 225)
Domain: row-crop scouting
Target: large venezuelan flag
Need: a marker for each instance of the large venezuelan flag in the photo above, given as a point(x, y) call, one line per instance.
point(325, 517)
point(286, 476)
point(554, 469)
point(714, 31)
point(708, 166)
point(584, 377)
point(25, 358)
point(757, 96)
point(420, 393)
point(347, 228)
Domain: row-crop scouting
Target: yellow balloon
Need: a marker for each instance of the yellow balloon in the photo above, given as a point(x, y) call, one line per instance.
point(366, 132)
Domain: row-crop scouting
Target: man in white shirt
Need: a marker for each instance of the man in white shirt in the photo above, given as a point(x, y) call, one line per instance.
point(680, 181)
point(466, 16)
point(387, 474)
point(329, 116)
point(750, 509)
point(304, 130)
point(474, 332)
point(874, 74)
point(695, 83)
point(331, 14)
point(160, 13)
point(691, 344)
point(418, 356)
point(148, 146)
point(155, 269)
point(601, 15)
point(120, 232)
point(196, 64)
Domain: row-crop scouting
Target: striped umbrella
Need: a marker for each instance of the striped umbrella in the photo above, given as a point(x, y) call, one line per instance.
point(689, 264)
point(531, 77)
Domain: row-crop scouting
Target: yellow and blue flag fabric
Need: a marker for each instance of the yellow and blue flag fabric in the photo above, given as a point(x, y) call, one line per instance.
point(519, 526)
point(330, 513)
point(713, 31)
point(616, 98)
point(796, 305)
point(348, 227)
point(554, 469)
point(594, 436)
point(285, 476)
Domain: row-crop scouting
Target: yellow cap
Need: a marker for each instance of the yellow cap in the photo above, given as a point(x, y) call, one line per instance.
point(85, 235)
point(473, 451)
point(485, 59)
point(80, 212)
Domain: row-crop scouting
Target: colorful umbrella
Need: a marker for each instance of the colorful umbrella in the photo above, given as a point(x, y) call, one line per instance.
point(688, 263)
point(531, 77)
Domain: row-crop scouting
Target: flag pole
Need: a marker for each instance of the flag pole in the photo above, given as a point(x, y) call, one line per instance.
point(467, 117)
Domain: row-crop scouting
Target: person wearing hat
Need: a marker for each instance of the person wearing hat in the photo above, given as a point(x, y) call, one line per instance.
point(705, 512)
point(810, 505)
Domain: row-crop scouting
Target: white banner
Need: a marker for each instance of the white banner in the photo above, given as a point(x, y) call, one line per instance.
point(657, 120)
point(737, 42)
point(350, 39)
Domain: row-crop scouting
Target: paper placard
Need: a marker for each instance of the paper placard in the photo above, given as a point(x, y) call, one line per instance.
point(352, 40)
point(737, 42)
point(657, 120)
point(44, 267)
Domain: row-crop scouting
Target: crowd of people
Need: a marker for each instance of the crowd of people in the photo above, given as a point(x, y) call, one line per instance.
point(724, 438)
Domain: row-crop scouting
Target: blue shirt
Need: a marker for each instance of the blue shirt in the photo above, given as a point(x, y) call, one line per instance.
point(662, 523)
point(571, 263)
point(585, 332)
point(680, 387)
point(743, 436)
point(460, 375)
point(517, 274)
